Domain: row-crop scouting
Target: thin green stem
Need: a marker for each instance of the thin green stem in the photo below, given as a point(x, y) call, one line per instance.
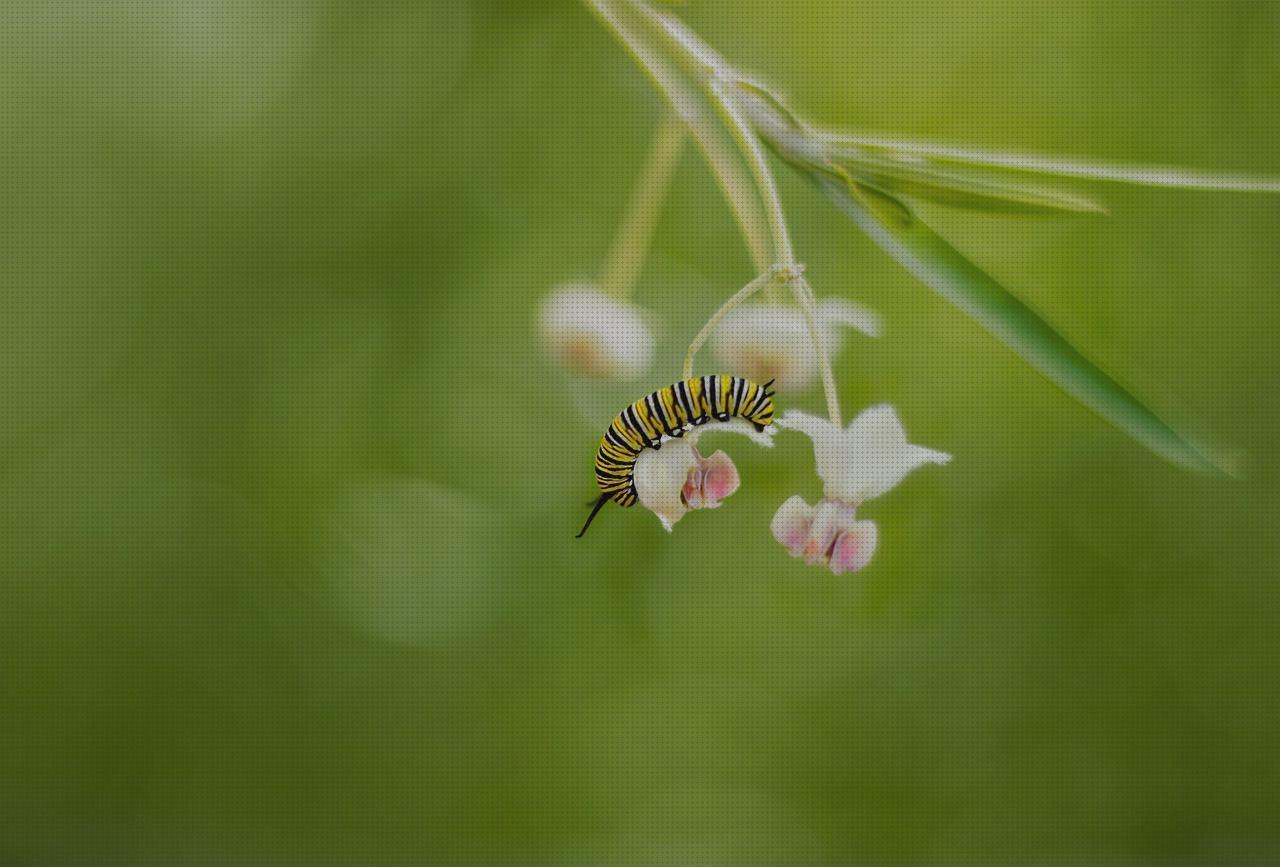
point(808, 304)
point(790, 271)
point(756, 159)
point(768, 278)
point(631, 245)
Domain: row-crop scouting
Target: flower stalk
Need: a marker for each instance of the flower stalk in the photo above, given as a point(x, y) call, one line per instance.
point(804, 295)
point(769, 278)
point(631, 245)
point(754, 154)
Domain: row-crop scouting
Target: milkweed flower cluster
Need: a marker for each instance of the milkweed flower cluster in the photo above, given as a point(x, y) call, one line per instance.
point(866, 460)
point(649, 453)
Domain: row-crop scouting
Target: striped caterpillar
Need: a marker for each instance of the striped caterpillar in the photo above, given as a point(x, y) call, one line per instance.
point(670, 412)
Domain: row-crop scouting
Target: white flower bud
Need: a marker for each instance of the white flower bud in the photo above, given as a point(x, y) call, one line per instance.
point(595, 334)
point(660, 476)
point(772, 341)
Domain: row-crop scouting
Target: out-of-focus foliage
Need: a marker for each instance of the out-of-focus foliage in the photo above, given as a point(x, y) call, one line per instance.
point(288, 491)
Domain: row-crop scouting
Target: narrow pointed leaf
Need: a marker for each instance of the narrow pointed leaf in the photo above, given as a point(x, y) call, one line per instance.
point(862, 146)
point(945, 270)
point(902, 173)
point(958, 187)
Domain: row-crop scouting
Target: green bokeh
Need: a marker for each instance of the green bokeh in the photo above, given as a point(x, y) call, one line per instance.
point(288, 491)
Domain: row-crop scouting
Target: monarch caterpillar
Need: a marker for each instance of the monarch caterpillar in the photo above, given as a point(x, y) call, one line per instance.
point(670, 412)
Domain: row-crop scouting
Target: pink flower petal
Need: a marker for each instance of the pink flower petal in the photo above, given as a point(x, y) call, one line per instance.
point(719, 479)
point(854, 547)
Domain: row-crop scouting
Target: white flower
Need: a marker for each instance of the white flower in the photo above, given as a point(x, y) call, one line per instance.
point(595, 334)
point(772, 340)
point(676, 478)
point(867, 459)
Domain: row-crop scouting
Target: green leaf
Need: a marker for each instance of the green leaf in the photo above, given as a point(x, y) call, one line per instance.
point(977, 189)
point(945, 270)
point(942, 156)
point(901, 173)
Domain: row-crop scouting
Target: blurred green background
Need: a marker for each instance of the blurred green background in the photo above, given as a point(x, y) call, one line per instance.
point(288, 491)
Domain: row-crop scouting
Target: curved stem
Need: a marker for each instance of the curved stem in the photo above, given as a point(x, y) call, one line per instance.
point(631, 245)
point(756, 159)
point(768, 278)
point(789, 270)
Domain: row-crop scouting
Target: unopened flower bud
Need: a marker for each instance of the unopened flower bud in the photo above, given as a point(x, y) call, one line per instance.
point(771, 341)
point(592, 333)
